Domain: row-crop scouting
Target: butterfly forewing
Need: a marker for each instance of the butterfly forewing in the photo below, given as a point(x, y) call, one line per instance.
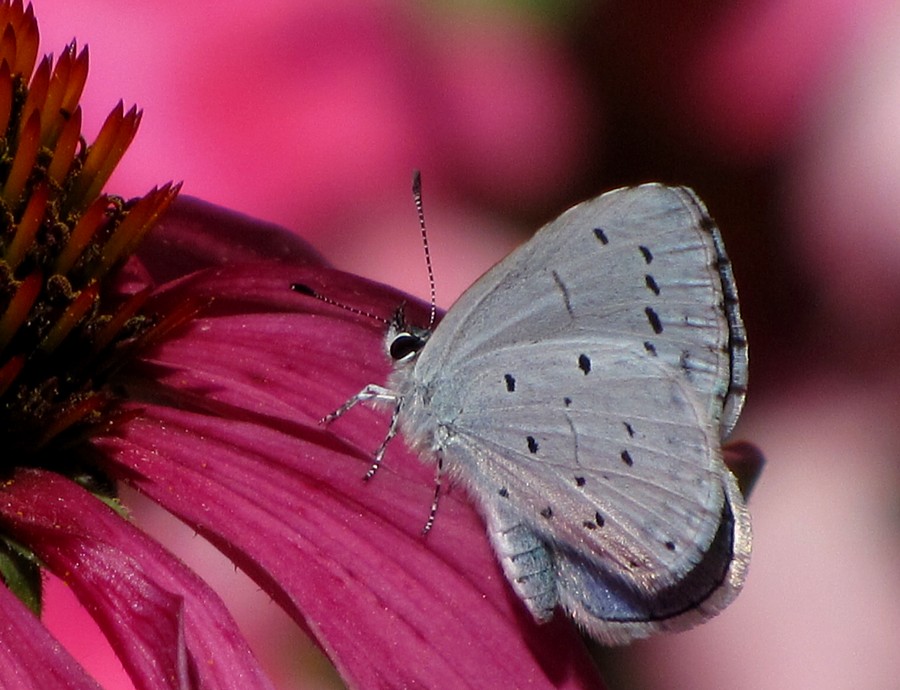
point(643, 265)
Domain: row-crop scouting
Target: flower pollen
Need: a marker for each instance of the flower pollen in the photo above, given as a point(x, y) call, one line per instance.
point(66, 323)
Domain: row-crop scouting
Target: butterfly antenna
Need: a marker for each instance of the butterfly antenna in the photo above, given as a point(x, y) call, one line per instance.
point(309, 292)
point(417, 198)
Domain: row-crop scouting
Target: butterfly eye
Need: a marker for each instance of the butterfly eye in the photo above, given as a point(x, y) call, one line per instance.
point(405, 345)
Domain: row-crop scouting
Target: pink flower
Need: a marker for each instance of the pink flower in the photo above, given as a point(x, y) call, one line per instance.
point(191, 372)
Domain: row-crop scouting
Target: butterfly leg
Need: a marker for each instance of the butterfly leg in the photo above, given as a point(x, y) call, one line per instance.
point(378, 394)
point(432, 514)
point(370, 392)
point(392, 430)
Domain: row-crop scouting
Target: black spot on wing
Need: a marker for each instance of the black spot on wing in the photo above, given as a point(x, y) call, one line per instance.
point(547, 512)
point(532, 444)
point(629, 429)
point(598, 521)
point(626, 458)
point(600, 235)
point(650, 347)
point(647, 254)
point(503, 492)
point(653, 319)
point(579, 481)
point(567, 401)
point(584, 363)
point(650, 281)
point(510, 382)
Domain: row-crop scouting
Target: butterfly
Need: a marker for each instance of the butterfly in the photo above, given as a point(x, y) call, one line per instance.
point(580, 391)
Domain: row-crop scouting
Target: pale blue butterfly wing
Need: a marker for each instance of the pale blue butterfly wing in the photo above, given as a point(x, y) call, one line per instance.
point(580, 390)
point(643, 264)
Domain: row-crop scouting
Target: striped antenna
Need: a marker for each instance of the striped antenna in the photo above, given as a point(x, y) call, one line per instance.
point(309, 292)
point(417, 197)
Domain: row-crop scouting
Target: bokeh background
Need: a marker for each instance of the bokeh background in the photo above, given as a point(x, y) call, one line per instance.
point(783, 114)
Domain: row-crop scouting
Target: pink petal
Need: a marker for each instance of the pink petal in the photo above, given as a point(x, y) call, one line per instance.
point(29, 656)
point(168, 628)
point(194, 234)
point(228, 439)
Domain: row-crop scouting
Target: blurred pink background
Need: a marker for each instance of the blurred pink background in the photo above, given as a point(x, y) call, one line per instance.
point(783, 114)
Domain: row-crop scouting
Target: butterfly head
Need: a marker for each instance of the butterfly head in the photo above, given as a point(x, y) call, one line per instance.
point(403, 341)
